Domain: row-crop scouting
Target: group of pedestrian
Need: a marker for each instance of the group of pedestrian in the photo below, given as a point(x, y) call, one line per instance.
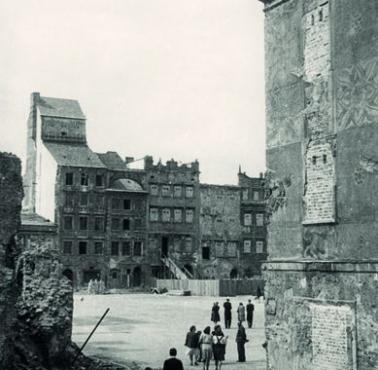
point(241, 311)
point(96, 286)
point(203, 346)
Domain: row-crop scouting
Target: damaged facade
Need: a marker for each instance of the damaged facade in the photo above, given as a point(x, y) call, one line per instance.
point(127, 226)
point(321, 275)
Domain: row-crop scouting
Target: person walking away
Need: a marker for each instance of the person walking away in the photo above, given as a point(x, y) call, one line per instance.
point(215, 318)
point(199, 349)
point(219, 347)
point(191, 342)
point(227, 313)
point(241, 312)
point(206, 343)
point(173, 363)
point(250, 308)
point(241, 339)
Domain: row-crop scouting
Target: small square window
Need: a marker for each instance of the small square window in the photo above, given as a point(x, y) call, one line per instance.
point(177, 191)
point(83, 223)
point(126, 204)
point(69, 179)
point(82, 247)
point(126, 224)
point(99, 180)
point(115, 249)
point(67, 247)
point(166, 191)
point(177, 216)
point(99, 224)
point(83, 199)
point(126, 249)
point(247, 246)
point(189, 191)
point(154, 214)
point(189, 215)
point(154, 189)
point(84, 179)
point(115, 224)
point(115, 203)
point(99, 247)
point(166, 215)
point(259, 219)
point(137, 248)
point(247, 219)
point(259, 247)
point(68, 222)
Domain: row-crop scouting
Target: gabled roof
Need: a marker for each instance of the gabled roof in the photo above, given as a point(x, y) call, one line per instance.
point(126, 185)
point(74, 155)
point(56, 107)
point(112, 161)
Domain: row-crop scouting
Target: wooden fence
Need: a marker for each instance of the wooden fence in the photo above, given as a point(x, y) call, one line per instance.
point(221, 288)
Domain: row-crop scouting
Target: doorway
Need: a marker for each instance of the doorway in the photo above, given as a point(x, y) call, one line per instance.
point(164, 246)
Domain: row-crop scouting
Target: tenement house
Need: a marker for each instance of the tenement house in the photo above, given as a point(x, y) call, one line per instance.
point(94, 206)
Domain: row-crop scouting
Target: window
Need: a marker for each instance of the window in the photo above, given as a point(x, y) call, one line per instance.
point(83, 199)
point(67, 247)
point(84, 179)
point(126, 204)
point(324, 158)
point(177, 191)
point(314, 160)
point(245, 194)
point(69, 200)
point(99, 180)
point(205, 253)
point(166, 215)
point(259, 247)
point(247, 246)
point(189, 214)
point(166, 191)
point(259, 219)
point(98, 247)
point(256, 195)
point(114, 274)
point(154, 189)
point(138, 223)
point(231, 249)
point(188, 244)
point(99, 224)
point(83, 223)
point(99, 201)
point(115, 224)
point(126, 224)
point(126, 249)
point(177, 244)
point(114, 249)
point(247, 219)
point(69, 179)
point(177, 215)
point(68, 222)
point(219, 249)
point(137, 248)
point(321, 15)
point(189, 192)
point(82, 247)
point(312, 19)
point(154, 214)
point(115, 203)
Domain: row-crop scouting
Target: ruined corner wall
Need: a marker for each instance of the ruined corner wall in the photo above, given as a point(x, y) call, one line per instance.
point(322, 104)
point(36, 301)
point(10, 208)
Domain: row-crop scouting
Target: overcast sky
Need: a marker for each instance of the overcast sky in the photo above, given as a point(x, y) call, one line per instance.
point(179, 79)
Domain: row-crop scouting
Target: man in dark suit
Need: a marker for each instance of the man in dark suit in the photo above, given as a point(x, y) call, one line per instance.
point(173, 363)
point(227, 313)
point(241, 339)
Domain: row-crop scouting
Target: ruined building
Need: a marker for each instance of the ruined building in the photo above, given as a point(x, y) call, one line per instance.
point(127, 226)
point(322, 104)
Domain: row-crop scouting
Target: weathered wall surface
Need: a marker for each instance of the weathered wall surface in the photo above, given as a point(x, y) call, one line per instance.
point(290, 324)
point(10, 208)
point(322, 104)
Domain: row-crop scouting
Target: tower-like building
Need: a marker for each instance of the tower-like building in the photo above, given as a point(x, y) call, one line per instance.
point(322, 134)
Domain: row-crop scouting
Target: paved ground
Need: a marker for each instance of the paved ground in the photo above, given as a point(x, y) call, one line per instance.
point(142, 328)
